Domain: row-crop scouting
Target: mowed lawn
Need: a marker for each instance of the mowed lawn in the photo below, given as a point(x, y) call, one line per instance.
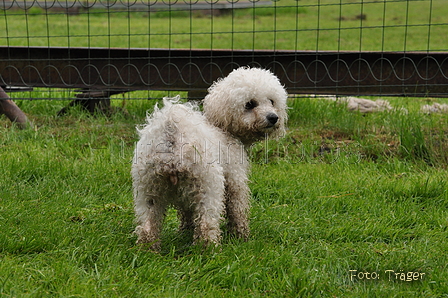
point(332, 25)
point(339, 209)
point(346, 205)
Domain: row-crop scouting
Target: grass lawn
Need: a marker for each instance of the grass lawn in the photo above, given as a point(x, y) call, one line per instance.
point(346, 205)
point(387, 25)
point(340, 199)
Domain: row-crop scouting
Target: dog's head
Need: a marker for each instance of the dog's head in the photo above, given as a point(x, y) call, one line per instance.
point(250, 104)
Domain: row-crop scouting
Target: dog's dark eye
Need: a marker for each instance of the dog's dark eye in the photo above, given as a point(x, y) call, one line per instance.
point(272, 102)
point(250, 105)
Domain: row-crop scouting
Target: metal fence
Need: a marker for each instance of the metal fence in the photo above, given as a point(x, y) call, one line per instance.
point(97, 48)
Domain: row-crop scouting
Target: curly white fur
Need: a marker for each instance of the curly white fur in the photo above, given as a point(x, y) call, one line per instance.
point(197, 162)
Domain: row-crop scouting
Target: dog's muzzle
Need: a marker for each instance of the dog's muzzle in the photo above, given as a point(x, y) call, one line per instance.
point(272, 119)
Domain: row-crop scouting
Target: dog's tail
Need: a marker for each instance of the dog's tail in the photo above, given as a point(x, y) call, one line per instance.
point(172, 113)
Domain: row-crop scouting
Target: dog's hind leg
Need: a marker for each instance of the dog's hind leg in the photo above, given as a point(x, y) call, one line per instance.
point(150, 214)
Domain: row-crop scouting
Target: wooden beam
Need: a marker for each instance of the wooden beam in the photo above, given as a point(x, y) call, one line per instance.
point(417, 74)
point(12, 111)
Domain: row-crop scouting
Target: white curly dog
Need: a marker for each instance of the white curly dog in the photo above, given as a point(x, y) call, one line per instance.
point(197, 162)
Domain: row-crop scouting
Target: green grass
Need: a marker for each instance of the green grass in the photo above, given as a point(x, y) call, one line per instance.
point(288, 25)
point(342, 191)
point(67, 220)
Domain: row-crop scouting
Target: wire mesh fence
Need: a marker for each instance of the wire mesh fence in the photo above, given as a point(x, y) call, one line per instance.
point(99, 48)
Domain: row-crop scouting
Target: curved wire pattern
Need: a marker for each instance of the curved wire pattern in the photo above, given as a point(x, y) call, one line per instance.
point(339, 72)
point(120, 4)
point(332, 72)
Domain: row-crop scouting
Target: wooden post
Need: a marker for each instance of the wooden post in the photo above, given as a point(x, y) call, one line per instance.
point(93, 101)
point(12, 111)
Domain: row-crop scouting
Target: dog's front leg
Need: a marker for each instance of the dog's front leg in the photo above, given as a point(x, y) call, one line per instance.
point(237, 208)
point(208, 208)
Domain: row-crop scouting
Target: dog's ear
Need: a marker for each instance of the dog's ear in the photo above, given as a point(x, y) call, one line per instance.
point(218, 103)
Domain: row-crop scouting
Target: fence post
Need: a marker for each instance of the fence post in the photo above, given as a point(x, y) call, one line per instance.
point(12, 111)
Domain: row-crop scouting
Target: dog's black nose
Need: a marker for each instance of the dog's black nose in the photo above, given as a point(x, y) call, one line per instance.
point(272, 118)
